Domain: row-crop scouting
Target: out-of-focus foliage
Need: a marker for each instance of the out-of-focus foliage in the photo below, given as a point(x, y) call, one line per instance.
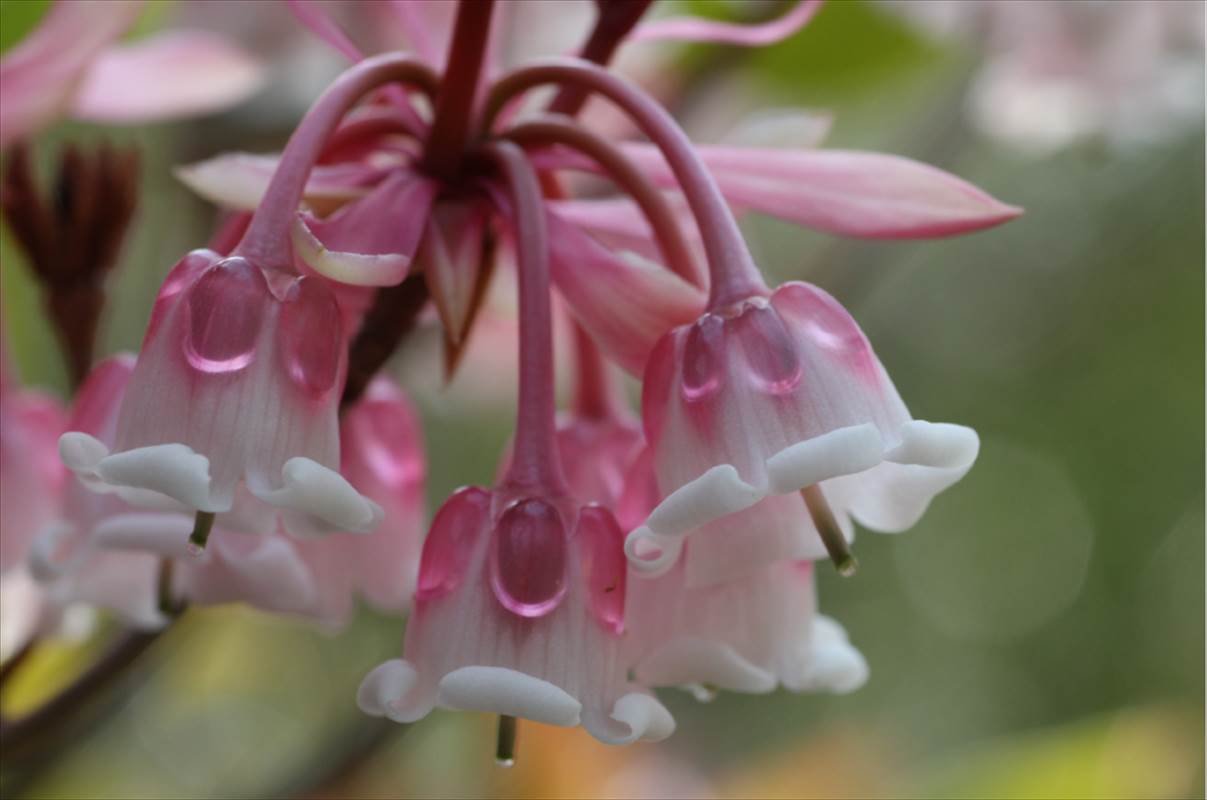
point(1040, 634)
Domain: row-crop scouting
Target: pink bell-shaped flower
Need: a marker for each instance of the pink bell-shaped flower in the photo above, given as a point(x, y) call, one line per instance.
point(382, 454)
point(519, 611)
point(519, 608)
point(31, 477)
point(237, 384)
point(104, 552)
point(750, 635)
point(776, 407)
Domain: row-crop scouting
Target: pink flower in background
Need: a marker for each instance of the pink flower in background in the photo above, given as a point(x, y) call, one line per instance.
point(766, 398)
point(237, 384)
point(71, 66)
point(31, 477)
point(1054, 74)
point(751, 635)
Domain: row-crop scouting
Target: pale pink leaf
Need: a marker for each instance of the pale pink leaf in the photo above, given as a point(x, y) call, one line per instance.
point(238, 180)
point(169, 75)
point(847, 192)
point(39, 76)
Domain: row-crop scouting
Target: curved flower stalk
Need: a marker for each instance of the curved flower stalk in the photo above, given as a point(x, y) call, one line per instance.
point(71, 66)
point(751, 635)
point(532, 581)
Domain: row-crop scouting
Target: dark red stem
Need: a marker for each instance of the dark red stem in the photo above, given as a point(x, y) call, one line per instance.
point(452, 127)
point(614, 20)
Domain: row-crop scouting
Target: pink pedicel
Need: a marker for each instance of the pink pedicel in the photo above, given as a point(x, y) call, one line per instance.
point(528, 558)
point(787, 391)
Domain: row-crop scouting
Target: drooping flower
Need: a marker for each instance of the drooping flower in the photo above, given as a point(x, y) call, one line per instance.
point(776, 407)
point(237, 383)
point(751, 635)
point(101, 551)
point(70, 65)
point(519, 608)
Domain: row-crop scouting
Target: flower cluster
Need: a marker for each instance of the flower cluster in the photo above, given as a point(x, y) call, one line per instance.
point(249, 454)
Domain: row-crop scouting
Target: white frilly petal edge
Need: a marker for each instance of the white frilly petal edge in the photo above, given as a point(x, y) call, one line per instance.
point(506, 691)
point(384, 687)
point(318, 500)
point(832, 664)
point(692, 660)
point(142, 476)
point(636, 715)
point(498, 690)
point(162, 534)
point(653, 547)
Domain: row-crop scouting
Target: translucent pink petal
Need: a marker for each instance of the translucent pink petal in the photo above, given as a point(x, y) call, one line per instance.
point(38, 77)
point(315, 17)
point(620, 225)
point(238, 181)
point(172, 74)
point(696, 29)
point(416, 18)
point(369, 242)
point(625, 303)
point(848, 192)
point(452, 261)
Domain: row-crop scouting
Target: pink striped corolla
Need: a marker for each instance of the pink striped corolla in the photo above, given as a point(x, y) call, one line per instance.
point(103, 551)
point(750, 635)
point(759, 400)
point(235, 393)
point(519, 611)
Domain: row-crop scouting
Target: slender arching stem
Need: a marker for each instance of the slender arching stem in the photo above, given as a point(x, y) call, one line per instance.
point(452, 127)
point(534, 461)
point(267, 237)
point(373, 121)
point(733, 275)
point(613, 22)
point(560, 130)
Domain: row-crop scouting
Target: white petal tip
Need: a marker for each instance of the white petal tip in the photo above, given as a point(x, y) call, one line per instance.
point(689, 661)
point(499, 690)
point(651, 554)
point(173, 470)
point(840, 452)
point(643, 716)
point(324, 501)
point(718, 492)
point(936, 444)
point(80, 452)
point(384, 687)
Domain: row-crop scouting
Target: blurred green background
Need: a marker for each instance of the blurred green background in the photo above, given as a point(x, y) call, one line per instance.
point(1039, 634)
